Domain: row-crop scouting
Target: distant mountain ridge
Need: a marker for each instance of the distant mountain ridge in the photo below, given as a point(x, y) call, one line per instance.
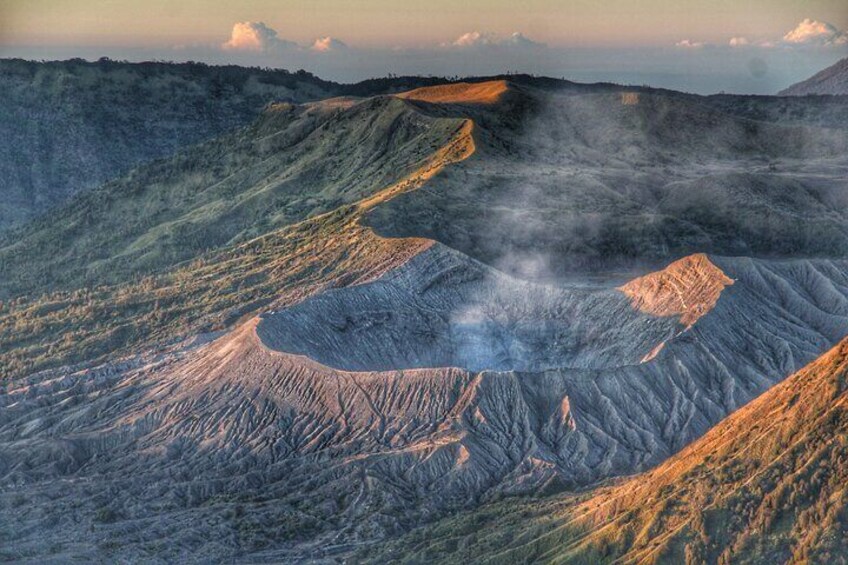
point(832, 80)
point(558, 146)
point(69, 126)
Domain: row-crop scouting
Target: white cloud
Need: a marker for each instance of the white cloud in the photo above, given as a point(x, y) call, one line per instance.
point(472, 39)
point(476, 39)
point(814, 32)
point(518, 39)
point(327, 44)
point(689, 44)
point(254, 36)
point(808, 32)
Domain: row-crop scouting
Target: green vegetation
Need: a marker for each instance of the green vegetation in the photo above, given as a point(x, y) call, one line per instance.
point(72, 125)
point(291, 164)
point(69, 126)
point(264, 215)
point(209, 293)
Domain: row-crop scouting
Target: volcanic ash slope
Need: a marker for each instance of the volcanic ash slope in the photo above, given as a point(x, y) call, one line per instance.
point(766, 485)
point(360, 412)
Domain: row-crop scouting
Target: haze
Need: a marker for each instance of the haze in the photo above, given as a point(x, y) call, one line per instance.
point(693, 46)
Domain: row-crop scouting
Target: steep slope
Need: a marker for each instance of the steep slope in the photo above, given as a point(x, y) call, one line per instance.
point(566, 181)
point(210, 293)
point(239, 447)
point(832, 80)
point(69, 126)
point(815, 111)
point(292, 163)
point(765, 485)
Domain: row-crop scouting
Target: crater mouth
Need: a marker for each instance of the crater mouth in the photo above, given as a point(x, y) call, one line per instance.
point(444, 309)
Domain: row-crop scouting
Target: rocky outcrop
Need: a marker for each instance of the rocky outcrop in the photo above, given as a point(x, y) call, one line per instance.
point(688, 289)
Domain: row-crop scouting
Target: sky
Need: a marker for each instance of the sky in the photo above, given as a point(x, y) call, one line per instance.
point(751, 46)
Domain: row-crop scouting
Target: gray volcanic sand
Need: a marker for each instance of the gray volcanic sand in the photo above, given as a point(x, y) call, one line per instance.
point(235, 448)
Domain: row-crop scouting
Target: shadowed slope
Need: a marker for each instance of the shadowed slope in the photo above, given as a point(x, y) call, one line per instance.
point(293, 163)
point(830, 81)
point(68, 126)
point(54, 127)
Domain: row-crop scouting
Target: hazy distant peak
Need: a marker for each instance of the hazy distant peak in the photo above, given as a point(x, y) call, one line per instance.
point(832, 80)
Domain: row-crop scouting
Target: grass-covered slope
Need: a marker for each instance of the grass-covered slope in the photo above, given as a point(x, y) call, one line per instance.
point(120, 311)
point(767, 485)
point(294, 162)
point(67, 126)
point(209, 293)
